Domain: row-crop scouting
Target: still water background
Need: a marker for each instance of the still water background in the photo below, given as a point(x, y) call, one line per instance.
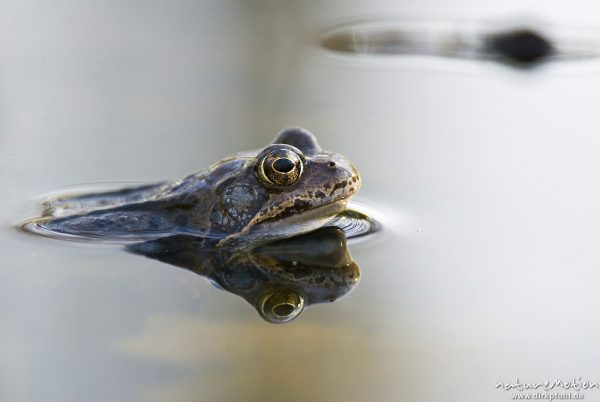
point(487, 179)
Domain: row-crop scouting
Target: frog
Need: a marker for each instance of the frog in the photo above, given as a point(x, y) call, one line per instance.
point(290, 187)
point(279, 279)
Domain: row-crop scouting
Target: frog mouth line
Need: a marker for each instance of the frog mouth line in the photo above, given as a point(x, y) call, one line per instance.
point(326, 209)
point(294, 224)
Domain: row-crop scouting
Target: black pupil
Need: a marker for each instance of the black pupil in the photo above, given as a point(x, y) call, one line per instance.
point(283, 165)
point(283, 310)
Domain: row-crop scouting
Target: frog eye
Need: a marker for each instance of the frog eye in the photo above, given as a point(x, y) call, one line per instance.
point(281, 167)
point(280, 306)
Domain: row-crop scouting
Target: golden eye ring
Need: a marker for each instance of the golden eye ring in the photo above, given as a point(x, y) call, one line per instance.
point(280, 306)
point(281, 167)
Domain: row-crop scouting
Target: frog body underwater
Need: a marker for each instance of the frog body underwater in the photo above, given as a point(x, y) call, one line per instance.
point(289, 187)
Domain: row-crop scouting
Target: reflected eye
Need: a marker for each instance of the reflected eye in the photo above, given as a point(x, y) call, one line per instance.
point(281, 167)
point(280, 306)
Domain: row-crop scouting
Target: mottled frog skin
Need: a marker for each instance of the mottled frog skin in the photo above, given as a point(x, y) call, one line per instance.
point(289, 187)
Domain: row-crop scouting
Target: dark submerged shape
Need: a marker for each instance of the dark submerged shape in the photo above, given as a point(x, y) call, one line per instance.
point(278, 279)
point(522, 46)
point(289, 187)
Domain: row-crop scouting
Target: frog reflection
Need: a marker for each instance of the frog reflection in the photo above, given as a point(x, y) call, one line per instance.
point(279, 279)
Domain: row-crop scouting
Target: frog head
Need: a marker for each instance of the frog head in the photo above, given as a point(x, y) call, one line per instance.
point(290, 187)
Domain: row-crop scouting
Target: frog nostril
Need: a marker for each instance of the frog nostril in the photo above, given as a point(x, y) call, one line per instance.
point(332, 164)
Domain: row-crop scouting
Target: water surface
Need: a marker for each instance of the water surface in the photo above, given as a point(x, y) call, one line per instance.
point(486, 272)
